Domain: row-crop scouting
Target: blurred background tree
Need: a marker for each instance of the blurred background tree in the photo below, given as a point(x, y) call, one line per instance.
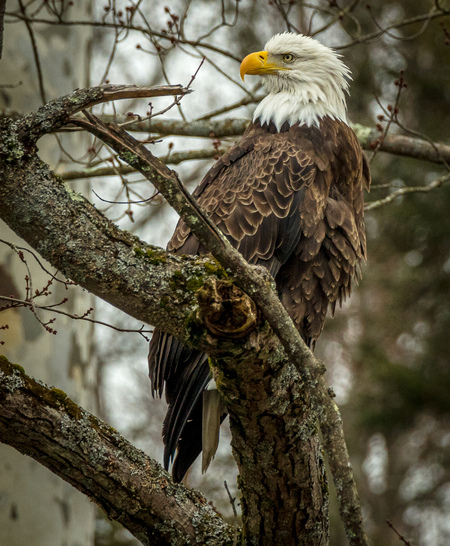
point(387, 350)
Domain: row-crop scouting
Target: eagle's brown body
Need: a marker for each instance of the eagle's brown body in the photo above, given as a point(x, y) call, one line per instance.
point(292, 201)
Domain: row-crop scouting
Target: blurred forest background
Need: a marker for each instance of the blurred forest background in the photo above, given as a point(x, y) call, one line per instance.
point(387, 351)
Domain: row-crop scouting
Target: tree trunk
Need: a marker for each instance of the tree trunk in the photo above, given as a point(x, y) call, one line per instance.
point(276, 446)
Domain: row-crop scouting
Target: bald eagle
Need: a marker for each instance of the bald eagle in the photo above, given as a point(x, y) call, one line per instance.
point(289, 197)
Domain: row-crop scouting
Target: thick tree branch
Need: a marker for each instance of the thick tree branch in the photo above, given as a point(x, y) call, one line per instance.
point(130, 487)
point(54, 114)
point(393, 144)
point(83, 244)
point(401, 145)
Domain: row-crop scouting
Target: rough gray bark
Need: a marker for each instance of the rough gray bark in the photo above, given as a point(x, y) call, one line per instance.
point(130, 487)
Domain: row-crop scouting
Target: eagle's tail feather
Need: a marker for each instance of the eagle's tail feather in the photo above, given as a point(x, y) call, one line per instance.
point(213, 414)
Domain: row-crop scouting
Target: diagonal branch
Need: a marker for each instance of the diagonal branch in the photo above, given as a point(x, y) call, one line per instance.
point(55, 113)
point(46, 424)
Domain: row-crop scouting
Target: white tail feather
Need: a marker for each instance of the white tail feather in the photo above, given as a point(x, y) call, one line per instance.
point(213, 409)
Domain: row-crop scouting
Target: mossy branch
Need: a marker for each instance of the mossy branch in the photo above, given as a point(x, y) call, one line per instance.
point(395, 144)
point(131, 488)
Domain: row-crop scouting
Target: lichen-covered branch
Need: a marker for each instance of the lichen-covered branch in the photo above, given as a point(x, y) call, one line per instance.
point(144, 281)
point(339, 460)
point(130, 487)
point(395, 144)
point(54, 114)
point(402, 145)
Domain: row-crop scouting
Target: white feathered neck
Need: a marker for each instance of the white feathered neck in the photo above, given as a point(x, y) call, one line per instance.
point(313, 88)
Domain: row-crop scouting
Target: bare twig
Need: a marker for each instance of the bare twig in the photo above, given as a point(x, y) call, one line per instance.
point(174, 158)
point(401, 537)
point(31, 294)
point(368, 38)
point(400, 38)
point(34, 47)
point(409, 189)
point(124, 26)
point(15, 303)
point(391, 112)
point(243, 102)
point(235, 516)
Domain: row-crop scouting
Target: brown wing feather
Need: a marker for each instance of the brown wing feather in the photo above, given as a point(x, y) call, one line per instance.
point(293, 202)
point(327, 258)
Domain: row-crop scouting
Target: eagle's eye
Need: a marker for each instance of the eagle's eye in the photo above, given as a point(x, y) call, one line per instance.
point(288, 58)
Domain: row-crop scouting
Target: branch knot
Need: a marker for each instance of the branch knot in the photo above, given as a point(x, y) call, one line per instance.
point(226, 310)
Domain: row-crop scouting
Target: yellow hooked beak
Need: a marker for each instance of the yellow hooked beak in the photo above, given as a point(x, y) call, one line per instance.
point(256, 63)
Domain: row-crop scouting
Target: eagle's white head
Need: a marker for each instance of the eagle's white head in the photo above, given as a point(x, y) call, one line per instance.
point(305, 80)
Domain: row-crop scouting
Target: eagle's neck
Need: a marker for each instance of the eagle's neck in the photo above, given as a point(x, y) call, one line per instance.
point(305, 104)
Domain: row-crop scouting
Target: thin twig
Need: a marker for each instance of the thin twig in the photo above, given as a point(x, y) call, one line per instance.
point(235, 516)
point(15, 302)
point(243, 102)
point(409, 189)
point(391, 112)
point(401, 537)
point(2, 21)
point(399, 24)
point(174, 158)
point(35, 53)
